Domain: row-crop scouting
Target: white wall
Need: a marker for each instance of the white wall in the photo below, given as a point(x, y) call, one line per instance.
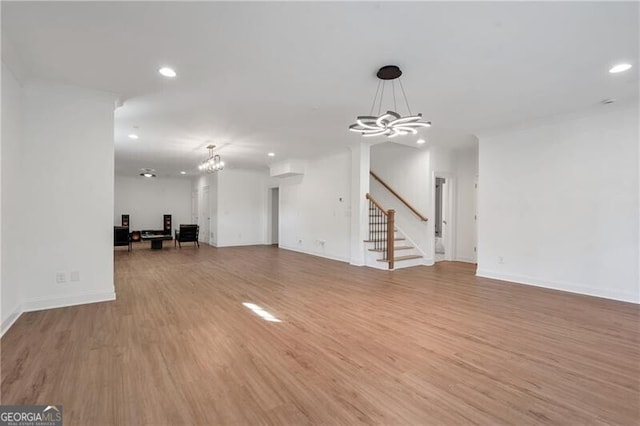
point(558, 202)
point(238, 207)
point(146, 200)
point(61, 207)
point(68, 210)
point(311, 211)
point(242, 207)
point(466, 172)
point(11, 179)
point(408, 171)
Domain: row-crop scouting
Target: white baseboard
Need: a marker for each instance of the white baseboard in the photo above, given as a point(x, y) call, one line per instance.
point(40, 304)
point(64, 301)
point(10, 320)
point(330, 257)
point(559, 285)
point(465, 259)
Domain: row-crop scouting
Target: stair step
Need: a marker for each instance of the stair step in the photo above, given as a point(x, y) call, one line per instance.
point(399, 258)
point(395, 248)
point(384, 239)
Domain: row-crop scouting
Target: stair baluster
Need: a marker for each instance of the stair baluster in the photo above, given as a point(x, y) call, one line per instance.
point(381, 230)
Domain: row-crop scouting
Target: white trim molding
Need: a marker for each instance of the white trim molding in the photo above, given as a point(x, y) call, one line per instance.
point(40, 304)
point(560, 285)
point(10, 320)
point(311, 253)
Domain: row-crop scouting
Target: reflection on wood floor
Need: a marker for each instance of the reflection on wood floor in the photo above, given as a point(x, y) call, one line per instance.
point(425, 345)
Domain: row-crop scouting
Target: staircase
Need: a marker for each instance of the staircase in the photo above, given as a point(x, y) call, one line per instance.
point(387, 247)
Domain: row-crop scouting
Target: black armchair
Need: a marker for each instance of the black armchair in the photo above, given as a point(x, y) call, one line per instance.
point(187, 233)
point(121, 237)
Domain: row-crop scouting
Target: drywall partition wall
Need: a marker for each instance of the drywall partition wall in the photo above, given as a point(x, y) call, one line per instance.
point(359, 209)
point(241, 207)
point(558, 204)
point(11, 216)
point(407, 171)
point(67, 210)
point(315, 208)
point(466, 173)
point(147, 199)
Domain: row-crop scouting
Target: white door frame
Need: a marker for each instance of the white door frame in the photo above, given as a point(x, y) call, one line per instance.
point(268, 228)
point(450, 217)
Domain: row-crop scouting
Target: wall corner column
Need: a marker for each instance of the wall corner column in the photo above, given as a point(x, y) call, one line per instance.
point(360, 163)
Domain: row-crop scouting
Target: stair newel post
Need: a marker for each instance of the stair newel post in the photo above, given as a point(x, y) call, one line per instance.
point(391, 226)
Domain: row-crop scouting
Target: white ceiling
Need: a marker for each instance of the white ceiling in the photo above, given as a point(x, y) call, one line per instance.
point(290, 77)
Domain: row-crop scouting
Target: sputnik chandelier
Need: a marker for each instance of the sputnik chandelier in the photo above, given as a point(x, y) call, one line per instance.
point(213, 163)
point(390, 123)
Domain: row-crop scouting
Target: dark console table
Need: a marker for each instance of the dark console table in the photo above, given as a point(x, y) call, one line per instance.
point(156, 240)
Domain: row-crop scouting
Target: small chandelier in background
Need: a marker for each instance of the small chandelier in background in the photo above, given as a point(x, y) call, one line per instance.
point(213, 163)
point(390, 123)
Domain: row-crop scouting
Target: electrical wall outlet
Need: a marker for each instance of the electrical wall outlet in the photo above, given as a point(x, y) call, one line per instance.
point(61, 277)
point(75, 276)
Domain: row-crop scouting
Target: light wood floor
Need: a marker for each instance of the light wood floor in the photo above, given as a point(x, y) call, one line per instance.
point(417, 346)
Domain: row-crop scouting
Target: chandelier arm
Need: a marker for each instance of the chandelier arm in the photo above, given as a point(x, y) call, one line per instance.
point(360, 121)
point(405, 96)
point(380, 133)
point(406, 129)
point(394, 132)
point(373, 105)
point(382, 121)
point(420, 124)
point(366, 131)
point(406, 120)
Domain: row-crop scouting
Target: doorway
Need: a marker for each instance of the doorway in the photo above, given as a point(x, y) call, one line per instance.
point(275, 207)
point(444, 228)
point(440, 221)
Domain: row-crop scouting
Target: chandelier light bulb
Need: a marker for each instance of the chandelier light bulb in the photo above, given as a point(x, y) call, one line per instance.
point(213, 163)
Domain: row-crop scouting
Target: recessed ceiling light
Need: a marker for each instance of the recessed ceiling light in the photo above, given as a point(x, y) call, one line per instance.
point(167, 72)
point(133, 136)
point(183, 172)
point(620, 68)
point(271, 154)
point(421, 141)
